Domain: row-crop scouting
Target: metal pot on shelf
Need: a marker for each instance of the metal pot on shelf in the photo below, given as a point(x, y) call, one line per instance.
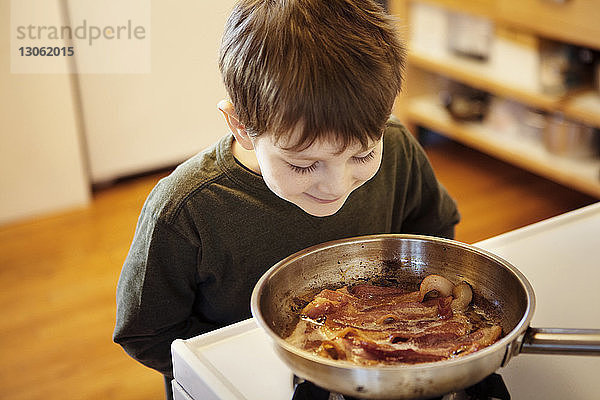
point(570, 138)
point(465, 103)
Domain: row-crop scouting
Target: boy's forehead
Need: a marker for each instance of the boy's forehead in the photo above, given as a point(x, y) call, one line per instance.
point(322, 147)
point(296, 142)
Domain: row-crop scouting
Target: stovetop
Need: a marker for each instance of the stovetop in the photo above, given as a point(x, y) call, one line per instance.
point(490, 388)
point(238, 362)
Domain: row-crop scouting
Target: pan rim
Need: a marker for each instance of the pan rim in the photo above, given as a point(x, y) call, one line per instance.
point(507, 340)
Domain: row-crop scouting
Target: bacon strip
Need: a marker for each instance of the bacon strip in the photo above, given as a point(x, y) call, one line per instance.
point(369, 324)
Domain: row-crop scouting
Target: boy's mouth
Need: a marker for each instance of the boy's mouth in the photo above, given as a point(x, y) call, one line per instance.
point(322, 201)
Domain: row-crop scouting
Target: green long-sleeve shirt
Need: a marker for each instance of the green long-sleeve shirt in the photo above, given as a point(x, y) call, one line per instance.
point(208, 231)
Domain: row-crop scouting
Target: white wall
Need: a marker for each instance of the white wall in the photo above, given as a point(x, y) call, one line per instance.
point(132, 123)
point(42, 168)
point(139, 122)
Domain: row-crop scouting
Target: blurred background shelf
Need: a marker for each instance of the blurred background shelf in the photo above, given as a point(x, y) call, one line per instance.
point(482, 76)
point(581, 104)
point(520, 42)
point(584, 106)
point(580, 174)
point(573, 21)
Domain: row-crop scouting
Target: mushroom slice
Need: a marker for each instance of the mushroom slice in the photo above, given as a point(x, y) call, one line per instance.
point(435, 283)
point(463, 294)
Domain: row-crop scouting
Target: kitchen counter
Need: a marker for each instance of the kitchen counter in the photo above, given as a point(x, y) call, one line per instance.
point(559, 256)
point(561, 259)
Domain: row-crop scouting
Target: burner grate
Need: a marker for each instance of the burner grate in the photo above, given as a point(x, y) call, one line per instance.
point(491, 388)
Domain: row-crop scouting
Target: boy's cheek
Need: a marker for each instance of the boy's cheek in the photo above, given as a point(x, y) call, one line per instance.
point(372, 171)
point(281, 184)
point(285, 180)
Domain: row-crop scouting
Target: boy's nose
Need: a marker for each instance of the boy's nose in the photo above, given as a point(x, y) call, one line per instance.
point(335, 183)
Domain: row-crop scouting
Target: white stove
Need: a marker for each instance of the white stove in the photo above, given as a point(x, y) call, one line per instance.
point(235, 362)
point(559, 256)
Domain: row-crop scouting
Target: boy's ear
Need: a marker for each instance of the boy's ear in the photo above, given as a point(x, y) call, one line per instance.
point(238, 129)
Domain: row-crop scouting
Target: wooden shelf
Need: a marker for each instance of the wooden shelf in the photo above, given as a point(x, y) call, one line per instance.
point(583, 105)
point(482, 8)
point(480, 75)
point(429, 58)
point(583, 175)
point(567, 21)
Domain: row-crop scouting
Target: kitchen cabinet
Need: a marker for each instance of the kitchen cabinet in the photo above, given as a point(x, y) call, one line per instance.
point(41, 156)
point(572, 22)
point(64, 132)
point(135, 123)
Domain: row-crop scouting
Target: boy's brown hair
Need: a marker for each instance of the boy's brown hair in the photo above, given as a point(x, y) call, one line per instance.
point(328, 67)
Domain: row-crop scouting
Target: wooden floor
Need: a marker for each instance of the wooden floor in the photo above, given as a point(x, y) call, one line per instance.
point(59, 274)
point(494, 197)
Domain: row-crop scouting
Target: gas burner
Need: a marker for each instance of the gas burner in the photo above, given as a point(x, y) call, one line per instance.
point(491, 388)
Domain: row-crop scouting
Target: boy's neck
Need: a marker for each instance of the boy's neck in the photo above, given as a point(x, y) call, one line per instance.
point(246, 157)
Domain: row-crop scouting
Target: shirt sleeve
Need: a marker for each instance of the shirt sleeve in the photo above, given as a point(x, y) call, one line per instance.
point(429, 209)
point(156, 294)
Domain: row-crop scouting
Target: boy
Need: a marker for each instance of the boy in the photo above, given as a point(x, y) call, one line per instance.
point(312, 158)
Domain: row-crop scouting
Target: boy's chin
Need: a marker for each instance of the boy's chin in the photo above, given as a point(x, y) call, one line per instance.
point(314, 208)
point(321, 210)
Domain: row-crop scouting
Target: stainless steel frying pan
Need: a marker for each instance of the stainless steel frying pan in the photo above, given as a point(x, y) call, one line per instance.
point(286, 287)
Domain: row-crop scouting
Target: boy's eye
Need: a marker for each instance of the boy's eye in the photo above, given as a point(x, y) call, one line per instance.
point(303, 170)
point(313, 167)
point(365, 159)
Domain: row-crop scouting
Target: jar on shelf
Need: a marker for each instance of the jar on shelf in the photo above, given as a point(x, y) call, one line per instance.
point(534, 124)
point(470, 36)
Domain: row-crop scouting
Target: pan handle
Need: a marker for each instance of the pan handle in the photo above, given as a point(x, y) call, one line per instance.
point(583, 342)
